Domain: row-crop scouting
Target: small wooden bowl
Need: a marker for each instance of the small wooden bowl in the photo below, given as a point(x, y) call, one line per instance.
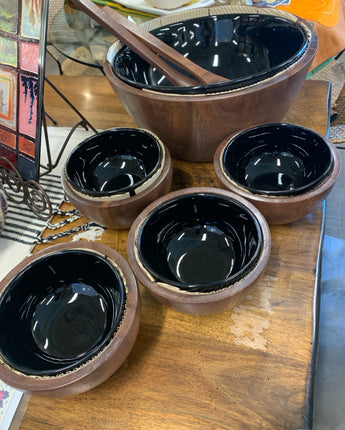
point(199, 250)
point(111, 176)
point(70, 316)
point(285, 170)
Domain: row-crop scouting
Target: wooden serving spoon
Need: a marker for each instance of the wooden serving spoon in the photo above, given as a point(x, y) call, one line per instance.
point(149, 47)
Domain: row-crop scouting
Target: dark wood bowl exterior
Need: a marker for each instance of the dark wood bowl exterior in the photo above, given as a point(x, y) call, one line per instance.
point(192, 126)
point(103, 365)
point(280, 210)
point(121, 213)
point(198, 303)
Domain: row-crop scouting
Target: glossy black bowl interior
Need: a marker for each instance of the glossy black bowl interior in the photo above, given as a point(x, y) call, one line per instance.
point(278, 159)
point(113, 162)
point(200, 242)
point(59, 312)
point(244, 48)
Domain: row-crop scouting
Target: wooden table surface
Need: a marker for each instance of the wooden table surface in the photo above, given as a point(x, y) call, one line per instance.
point(248, 368)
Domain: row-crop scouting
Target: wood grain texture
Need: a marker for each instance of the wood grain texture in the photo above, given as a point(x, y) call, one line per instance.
point(121, 213)
point(193, 125)
point(282, 209)
point(248, 368)
point(101, 110)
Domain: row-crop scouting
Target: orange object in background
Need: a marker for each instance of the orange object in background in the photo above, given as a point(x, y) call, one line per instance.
point(328, 16)
point(326, 12)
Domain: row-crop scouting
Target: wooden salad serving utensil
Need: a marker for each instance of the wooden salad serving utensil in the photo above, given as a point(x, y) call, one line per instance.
point(149, 47)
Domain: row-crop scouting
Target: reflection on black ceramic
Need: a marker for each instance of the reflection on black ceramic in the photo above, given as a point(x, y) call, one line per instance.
point(114, 162)
point(243, 48)
point(278, 159)
point(59, 312)
point(200, 242)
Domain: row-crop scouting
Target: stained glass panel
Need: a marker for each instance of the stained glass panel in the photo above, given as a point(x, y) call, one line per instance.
point(23, 26)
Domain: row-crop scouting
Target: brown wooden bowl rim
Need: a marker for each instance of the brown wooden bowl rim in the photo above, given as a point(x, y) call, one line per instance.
point(317, 191)
point(294, 68)
point(108, 202)
point(117, 199)
point(176, 295)
point(118, 343)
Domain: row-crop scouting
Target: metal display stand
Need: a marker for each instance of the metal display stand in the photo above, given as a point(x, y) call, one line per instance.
point(19, 190)
point(82, 123)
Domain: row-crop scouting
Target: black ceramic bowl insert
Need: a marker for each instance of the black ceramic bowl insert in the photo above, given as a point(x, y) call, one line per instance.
point(277, 159)
point(245, 47)
point(199, 242)
point(60, 311)
point(120, 161)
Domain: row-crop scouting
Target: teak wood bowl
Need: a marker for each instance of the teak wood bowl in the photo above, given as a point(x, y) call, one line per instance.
point(199, 249)
point(69, 317)
point(111, 176)
point(235, 50)
point(192, 125)
point(285, 170)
